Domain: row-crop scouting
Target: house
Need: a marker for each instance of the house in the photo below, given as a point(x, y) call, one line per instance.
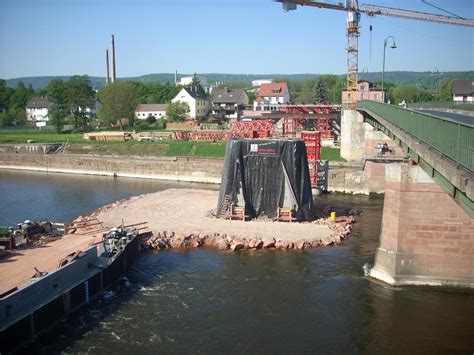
point(196, 99)
point(259, 82)
point(229, 103)
point(143, 111)
point(463, 91)
point(365, 91)
point(270, 96)
point(37, 110)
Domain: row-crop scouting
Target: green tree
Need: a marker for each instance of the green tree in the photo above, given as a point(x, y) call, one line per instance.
point(17, 104)
point(177, 111)
point(57, 93)
point(5, 93)
point(80, 97)
point(446, 89)
point(151, 93)
point(118, 101)
point(405, 92)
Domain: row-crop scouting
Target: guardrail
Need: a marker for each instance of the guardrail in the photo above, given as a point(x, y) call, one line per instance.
point(453, 139)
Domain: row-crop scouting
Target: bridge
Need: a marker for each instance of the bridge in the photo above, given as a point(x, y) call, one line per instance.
point(427, 235)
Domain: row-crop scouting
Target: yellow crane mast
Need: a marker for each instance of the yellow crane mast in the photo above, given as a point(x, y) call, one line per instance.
point(353, 30)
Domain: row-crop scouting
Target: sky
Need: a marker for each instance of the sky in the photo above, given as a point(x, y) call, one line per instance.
point(69, 37)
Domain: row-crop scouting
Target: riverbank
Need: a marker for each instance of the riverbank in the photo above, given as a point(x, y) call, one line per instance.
point(181, 218)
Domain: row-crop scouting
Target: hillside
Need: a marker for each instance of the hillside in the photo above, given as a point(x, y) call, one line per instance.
point(425, 79)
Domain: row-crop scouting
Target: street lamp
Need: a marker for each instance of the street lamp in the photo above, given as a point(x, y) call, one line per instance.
point(435, 70)
point(393, 46)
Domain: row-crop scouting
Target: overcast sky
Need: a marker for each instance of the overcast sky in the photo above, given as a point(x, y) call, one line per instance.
point(66, 37)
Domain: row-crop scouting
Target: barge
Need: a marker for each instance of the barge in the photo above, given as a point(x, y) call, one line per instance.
point(29, 311)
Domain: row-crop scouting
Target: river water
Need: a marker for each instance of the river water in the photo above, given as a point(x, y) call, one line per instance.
point(207, 301)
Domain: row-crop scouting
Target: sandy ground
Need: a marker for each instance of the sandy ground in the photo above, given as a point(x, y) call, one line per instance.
point(185, 211)
point(182, 211)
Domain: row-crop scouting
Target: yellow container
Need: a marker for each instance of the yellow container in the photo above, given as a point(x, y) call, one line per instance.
point(333, 216)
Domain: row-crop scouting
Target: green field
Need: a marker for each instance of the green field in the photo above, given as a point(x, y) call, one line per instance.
point(76, 144)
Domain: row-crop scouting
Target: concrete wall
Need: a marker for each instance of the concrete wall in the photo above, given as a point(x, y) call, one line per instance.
point(352, 135)
point(173, 168)
point(426, 238)
point(343, 177)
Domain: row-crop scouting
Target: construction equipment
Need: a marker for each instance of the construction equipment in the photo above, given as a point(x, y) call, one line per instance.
point(353, 30)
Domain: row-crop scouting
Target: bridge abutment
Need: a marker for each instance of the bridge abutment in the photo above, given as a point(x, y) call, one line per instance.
point(426, 237)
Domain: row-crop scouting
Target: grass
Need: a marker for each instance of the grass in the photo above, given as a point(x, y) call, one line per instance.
point(211, 150)
point(40, 137)
point(78, 145)
point(331, 154)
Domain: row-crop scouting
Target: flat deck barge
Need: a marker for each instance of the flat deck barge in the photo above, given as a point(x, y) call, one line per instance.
point(39, 288)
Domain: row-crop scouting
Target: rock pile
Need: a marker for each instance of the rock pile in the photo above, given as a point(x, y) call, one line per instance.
point(342, 228)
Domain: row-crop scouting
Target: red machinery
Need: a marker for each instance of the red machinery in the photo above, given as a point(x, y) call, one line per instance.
point(312, 140)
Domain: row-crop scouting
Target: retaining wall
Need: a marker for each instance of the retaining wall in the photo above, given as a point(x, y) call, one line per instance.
point(343, 177)
point(173, 168)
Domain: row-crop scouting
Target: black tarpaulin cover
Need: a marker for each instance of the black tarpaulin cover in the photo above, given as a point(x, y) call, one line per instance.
point(263, 175)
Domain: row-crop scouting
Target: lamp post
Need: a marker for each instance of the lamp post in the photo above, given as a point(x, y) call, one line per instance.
point(393, 46)
point(435, 70)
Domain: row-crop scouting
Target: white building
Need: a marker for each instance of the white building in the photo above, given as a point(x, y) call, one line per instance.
point(143, 111)
point(37, 110)
point(463, 91)
point(196, 99)
point(259, 82)
point(270, 96)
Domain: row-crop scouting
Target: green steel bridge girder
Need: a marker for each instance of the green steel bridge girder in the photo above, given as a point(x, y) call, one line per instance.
point(442, 147)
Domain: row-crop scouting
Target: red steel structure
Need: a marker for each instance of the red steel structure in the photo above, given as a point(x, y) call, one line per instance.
point(210, 135)
point(309, 108)
point(292, 126)
point(312, 140)
point(252, 129)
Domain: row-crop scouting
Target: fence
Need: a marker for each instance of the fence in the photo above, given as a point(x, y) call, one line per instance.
point(451, 138)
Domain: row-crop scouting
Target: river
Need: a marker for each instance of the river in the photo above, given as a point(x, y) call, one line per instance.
point(207, 301)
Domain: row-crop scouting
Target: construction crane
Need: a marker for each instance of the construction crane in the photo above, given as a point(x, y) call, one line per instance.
point(353, 30)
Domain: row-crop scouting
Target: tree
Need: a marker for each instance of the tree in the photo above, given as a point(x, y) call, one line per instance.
point(118, 101)
point(177, 111)
point(150, 93)
point(17, 105)
point(80, 97)
point(56, 91)
point(446, 89)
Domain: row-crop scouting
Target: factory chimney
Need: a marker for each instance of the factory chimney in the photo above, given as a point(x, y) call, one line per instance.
point(114, 77)
point(107, 76)
point(175, 77)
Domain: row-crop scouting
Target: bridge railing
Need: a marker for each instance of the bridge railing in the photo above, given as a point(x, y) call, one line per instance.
point(451, 138)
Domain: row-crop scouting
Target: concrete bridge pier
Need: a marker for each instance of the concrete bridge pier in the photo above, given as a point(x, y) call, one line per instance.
point(426, 237)
point(352, 135)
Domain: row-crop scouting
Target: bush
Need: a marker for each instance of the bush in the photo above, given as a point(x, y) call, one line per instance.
point(160, 124)
point(143, 124)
